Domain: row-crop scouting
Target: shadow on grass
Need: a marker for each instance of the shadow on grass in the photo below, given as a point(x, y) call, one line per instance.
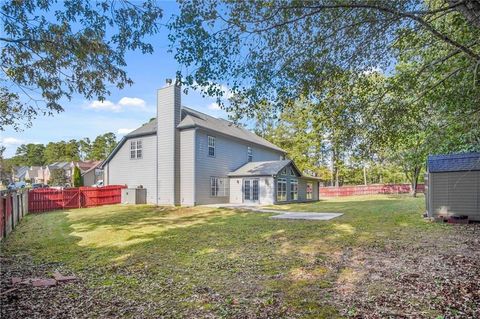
point(202, 259)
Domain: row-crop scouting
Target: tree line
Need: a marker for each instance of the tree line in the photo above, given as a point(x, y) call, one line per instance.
point(64, 151)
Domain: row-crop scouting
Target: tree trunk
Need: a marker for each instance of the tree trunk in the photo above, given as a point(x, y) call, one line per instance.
point(365, 175)
point(414, 180)
point(335, 166)
point(336, 178)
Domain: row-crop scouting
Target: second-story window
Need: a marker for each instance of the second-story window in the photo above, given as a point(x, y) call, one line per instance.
point(136, 149)
point(249, 154)
point(211, 146)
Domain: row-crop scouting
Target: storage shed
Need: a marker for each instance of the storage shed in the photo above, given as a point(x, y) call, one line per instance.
point(453, 185)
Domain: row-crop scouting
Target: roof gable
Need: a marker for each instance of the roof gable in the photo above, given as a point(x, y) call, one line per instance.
point(454, 162)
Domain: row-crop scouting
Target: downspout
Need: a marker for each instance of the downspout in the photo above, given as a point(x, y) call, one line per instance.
point(156, 159)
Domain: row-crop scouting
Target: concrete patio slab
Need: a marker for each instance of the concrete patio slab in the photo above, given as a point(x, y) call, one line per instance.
point(283, 214)
point(306, 216)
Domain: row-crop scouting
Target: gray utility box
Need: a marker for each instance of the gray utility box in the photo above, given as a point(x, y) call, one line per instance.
point(134, 196)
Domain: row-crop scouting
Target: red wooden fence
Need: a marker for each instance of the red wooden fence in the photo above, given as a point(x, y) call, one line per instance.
point(45, 199)
point(13, 206)
point(369, 190)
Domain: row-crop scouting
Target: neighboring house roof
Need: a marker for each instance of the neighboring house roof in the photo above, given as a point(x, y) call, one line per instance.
point(96, 164)
point(86, 166)
point(59, 165)
point(267, 168)
point(21, 171)
point(194, 118)
point(454, 162)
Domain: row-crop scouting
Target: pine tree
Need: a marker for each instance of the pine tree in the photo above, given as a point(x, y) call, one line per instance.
point(77, 177)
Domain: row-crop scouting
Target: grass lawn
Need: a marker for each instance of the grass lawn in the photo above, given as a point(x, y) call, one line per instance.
point(379, 259)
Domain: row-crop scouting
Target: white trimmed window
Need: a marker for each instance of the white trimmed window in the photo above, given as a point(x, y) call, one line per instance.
point(249, 154)
point(293, 190)
point(211, 146)
point(281, 189)
point(219, 186)
point(136, 149)
point(309, 190)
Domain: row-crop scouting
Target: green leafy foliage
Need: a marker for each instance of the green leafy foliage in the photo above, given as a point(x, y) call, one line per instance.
point(62, 151)
point(58, 177)
point(285, 50)
point(102, 146)
point(52, 50)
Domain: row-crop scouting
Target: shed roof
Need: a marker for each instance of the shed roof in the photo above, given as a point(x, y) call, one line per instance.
point(454, 162)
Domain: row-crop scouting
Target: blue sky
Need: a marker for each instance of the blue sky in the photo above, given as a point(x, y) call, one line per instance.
point(124, 110)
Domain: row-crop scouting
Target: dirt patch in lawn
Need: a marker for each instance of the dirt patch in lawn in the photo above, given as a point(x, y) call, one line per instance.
point(415, 278)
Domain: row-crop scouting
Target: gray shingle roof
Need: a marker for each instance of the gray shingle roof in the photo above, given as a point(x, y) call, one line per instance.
point(145, 129)
point(454, 162)
point(59, 165)
point(21, 171)
point(194, 118)
point(267, 168)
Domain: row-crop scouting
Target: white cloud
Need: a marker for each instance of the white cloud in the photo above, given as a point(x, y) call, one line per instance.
point(123, 103)
point(123, 131)
point(105, 105)
point(214, 106)
point(132, 101)
point(9, 141)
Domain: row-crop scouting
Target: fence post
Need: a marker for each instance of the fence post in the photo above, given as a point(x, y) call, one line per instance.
point(2, 216)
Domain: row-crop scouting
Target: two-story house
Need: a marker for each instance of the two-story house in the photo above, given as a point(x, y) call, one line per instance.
point(185, 157)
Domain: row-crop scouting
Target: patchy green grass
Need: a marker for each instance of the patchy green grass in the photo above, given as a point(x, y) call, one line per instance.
point(201, 262)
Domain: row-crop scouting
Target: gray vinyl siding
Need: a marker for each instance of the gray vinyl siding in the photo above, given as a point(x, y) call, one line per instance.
point(266, 190)
point(455, 193)
point(187, 167)
point(168, 145)
point(230, 154)
point(89, 178)
point(121, 170)
point(302, 188)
